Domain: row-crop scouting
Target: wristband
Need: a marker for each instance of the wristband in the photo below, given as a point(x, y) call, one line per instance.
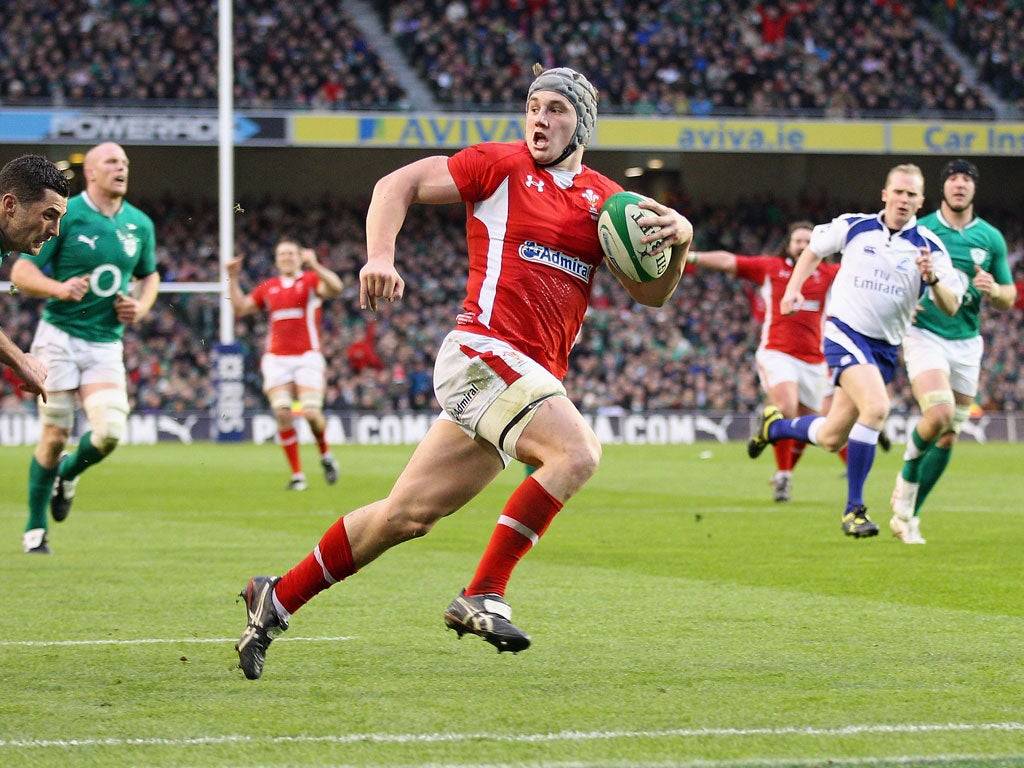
point(933, 281)
point(692, 257)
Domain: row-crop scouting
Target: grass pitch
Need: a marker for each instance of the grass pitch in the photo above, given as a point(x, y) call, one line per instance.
point(679, 618)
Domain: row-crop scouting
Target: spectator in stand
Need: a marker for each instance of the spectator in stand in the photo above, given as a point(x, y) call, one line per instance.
point(363, 353)
point(790, 361)
point(293, 366)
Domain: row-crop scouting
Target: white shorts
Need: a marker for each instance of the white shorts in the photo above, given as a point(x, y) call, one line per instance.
point(72, 362)
point(774, 367)
point(489, 388)
point(959, 359)
point(305, 370)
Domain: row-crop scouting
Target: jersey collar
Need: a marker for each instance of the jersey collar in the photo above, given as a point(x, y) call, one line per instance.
point(942, 220)
point(91, 204)
point(906, 227)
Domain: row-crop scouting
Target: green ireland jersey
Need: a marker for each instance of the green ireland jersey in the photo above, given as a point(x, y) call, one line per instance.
point(978, 243)
point(110, 250)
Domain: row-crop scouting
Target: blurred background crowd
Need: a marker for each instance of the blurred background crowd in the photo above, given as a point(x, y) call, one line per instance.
point(841, 58)
point(836, 58)
point(694, 353)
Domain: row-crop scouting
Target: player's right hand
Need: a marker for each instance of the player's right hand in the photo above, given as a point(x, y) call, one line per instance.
point(791, 302)
point(32, 372)
point(233, 267)
point(74, 288)
point(378, 279)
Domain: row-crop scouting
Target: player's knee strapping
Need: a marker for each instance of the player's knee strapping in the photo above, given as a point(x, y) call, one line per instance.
point(107, 412)
point(312, 401)
point(59, 410)
point(935, 397)
point(281, 400)
point(504, 422)
point(960, 417)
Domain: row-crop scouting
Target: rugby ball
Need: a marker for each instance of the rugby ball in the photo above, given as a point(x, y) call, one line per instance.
point(620, 234)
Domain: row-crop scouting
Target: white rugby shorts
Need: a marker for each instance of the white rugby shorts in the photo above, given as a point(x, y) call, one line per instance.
point(72, 362)
point(774, 367)
point(306, 370)
point(489, 388)
point(960, 359)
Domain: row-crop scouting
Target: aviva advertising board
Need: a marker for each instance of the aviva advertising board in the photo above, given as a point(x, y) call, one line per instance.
point(438, 131)
point(423, 131)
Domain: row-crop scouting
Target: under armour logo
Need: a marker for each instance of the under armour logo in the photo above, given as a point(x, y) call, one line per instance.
point(532, 182)
point(90, 241)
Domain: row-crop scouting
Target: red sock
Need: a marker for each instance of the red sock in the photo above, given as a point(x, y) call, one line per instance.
point(526, 516)
point(798, 451)
point(328, 564)
point(842, 453)
point(784, 455)
point(290, 444)
point(321, 441)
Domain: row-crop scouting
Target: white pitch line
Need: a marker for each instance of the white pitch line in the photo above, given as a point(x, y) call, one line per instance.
point(520, 738)
point(157, 640)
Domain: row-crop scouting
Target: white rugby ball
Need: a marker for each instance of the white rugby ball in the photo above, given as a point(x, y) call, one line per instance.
point(620, 234)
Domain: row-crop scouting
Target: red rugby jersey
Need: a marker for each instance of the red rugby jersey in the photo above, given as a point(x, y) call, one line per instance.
point(294, 312)
point(533, 249)
point(799, 334)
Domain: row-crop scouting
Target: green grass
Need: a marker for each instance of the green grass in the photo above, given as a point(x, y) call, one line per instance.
point(679, 618)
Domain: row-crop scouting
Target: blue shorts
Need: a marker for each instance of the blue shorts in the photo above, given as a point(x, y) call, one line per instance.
point(845, 347)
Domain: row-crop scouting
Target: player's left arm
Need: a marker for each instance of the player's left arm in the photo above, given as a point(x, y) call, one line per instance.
point(997, 283)
point(330, 284)
point(676, 232)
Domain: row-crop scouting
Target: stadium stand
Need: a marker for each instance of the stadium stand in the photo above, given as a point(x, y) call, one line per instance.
point(845, 59)
point(992, 33)
point(836, 58)
point(163, 53)
point(695, 353)
point(870, 58)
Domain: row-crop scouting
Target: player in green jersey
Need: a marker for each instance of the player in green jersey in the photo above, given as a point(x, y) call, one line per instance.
point(86, 274)
point(943, 353)
point(33, 198)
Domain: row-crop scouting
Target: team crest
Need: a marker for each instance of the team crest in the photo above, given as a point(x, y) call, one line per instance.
point(129, 242)
point(593, 200)
point(978, 255)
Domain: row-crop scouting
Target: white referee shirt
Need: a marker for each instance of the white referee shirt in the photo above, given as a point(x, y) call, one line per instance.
point(878, 284)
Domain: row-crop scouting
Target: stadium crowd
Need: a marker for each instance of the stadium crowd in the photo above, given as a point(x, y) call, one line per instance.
point(992, 33)
point(286, 55)
point(695, 353)
point(841, 58)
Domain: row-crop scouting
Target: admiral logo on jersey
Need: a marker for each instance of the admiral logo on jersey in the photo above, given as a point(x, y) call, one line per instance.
point(541, 254)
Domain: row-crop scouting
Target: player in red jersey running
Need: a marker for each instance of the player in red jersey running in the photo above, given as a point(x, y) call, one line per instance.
point(293, 366)
point(531, 230)
point(790, 361)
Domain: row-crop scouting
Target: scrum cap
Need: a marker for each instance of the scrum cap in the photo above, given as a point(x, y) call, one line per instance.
point(579, 92)
point(960, 166)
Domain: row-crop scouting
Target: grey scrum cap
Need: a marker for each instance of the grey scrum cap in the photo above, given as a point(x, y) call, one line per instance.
point(579, 92)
